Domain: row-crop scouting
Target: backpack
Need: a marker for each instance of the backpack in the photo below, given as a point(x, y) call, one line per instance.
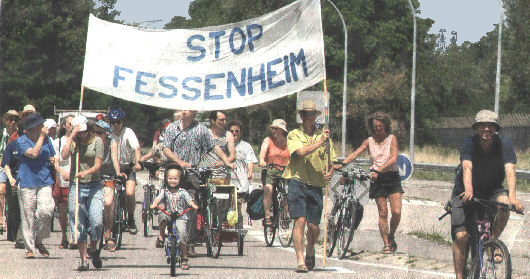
point(255, 205)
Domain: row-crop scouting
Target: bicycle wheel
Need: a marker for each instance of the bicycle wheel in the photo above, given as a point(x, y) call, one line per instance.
point(485, 265)
point(270, 231)
point(285, 223)
point(214, 233)
point(145, 209)
point(173, 256)
point(333, 225)
point(347, 228)
point(119, 221)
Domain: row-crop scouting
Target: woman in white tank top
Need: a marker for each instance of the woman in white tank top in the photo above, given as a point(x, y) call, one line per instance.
point(385, 182)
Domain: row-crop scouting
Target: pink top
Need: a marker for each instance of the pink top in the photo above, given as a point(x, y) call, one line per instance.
point(380, 153)
point(278, 155)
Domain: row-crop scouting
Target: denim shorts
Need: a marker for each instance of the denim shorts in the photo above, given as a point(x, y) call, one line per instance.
point(91, 208)
point(305, 201)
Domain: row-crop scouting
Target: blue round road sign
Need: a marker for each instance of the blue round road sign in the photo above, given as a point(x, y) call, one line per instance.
point(405, 167)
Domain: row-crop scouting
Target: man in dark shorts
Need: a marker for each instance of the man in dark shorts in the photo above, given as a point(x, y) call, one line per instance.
point(487, 158)
point(307, 176)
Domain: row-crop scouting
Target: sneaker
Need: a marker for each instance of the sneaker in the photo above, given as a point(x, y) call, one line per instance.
point(96, 260)
point(83, 265)
point(132, 227)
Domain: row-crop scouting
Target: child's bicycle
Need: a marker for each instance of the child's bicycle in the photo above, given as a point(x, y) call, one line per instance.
point(171, 246)
point(485, 257)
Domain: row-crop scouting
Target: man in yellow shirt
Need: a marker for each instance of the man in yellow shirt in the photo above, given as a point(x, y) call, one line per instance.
point(307, 174)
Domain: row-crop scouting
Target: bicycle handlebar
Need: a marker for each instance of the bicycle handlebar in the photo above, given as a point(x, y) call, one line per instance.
point(489, 203)
point(485, 203)
point(174, 215)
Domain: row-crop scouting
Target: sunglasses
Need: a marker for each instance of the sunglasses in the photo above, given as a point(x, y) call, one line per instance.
point(308, 113)
point(101, 133)
point(12, 119)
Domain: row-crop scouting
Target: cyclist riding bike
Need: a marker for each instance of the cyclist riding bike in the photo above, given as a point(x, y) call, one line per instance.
point(487, 159)
point(187, 140)
point(273, 152)
point(125, 149)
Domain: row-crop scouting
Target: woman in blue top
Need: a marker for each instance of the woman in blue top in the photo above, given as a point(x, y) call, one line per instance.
point(34, 182)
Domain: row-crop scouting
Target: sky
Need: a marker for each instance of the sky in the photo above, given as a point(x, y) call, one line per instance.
point(471, 19)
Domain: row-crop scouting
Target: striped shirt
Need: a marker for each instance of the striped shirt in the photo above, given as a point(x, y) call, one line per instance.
point(188, 144)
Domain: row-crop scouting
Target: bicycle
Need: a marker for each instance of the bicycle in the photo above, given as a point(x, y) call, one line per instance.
point(150, 192)
point(281, 219)
point(347, 210)
point(172, 247)
point(482, 249)
point(120, 209)
point(209, 223)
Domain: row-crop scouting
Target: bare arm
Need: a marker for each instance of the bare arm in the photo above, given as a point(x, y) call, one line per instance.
point(114, 157)
point(467, 167)
point(511, 182)
point(33, 152)
point(250, 170)
point(263, 152)
point(219, 152)
point(231, 147)
point(310, 148)
point(93, 169)
point(137, 156)
point(156, 201)
point(12, 180)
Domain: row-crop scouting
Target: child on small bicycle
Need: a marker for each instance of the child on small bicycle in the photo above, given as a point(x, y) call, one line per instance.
point(174, 199)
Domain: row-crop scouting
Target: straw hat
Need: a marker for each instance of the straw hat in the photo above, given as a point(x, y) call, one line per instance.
point(486, 116)
point(280, 124)
point(308, 105)
point(9, 113)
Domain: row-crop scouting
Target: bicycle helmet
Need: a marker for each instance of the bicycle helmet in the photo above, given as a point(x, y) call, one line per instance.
point(116, 114)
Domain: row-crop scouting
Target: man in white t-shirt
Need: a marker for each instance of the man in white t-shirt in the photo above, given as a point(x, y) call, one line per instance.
point(125, 150)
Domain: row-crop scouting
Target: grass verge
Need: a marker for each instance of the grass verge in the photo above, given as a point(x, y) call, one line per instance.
point(434, 237)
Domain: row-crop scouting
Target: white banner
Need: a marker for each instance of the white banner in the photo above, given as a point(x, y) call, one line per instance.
point(221, 67)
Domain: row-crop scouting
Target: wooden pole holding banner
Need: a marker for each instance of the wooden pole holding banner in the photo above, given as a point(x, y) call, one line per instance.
point(76, 219)
point(328, 163)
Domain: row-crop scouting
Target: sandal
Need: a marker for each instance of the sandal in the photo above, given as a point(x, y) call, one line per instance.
point(64, 244)
point(184, 265)
point(111, 246)
point(268, 221)
point(387, 250)
point(393, 244)
point(310, 262)
point(159, 243)
point(73, 246)
point(302, 268)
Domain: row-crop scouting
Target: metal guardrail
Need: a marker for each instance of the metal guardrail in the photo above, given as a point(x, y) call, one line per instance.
point(446, 168)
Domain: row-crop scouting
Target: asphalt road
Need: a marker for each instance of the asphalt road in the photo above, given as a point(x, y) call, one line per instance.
point(415, 258)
